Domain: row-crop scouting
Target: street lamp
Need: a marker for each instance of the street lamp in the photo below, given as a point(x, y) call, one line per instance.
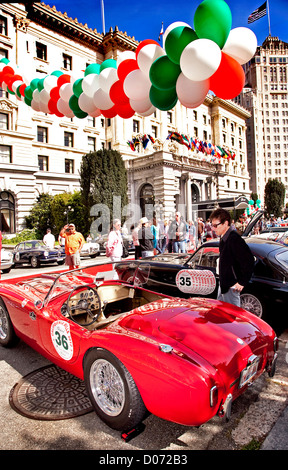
point(68, 210)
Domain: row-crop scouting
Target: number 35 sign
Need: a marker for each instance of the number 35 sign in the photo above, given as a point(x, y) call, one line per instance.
point(201, 282)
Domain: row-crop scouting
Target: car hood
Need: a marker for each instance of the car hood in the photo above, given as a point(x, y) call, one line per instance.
point(222, 334)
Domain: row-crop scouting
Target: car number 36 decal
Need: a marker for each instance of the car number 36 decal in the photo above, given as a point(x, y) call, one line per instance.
point(61, 339)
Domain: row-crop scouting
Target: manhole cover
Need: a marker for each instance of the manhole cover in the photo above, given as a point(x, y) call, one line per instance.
point(50, 394)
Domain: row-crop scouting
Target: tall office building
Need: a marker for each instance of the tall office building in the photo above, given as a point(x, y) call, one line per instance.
point(266, 97)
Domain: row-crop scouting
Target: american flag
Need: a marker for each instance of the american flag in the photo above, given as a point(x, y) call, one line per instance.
point(258, 13)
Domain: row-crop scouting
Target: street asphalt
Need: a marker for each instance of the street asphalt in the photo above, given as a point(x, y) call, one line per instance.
point(259, 417)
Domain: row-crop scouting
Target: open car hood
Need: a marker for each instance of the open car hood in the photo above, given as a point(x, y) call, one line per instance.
point(256, 217)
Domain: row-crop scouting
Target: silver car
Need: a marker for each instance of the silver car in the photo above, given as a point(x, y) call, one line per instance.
point(6, 261)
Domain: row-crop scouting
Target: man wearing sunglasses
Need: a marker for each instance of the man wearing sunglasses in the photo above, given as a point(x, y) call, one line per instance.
point(236, 261)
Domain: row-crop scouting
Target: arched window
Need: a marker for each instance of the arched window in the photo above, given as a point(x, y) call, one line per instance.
point(147, 200)
point(7, 211)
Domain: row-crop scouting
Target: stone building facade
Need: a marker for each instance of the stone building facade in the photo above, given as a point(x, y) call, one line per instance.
point(42, 153)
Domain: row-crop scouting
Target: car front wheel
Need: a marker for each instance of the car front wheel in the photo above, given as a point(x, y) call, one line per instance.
point(7, 334)
point(112, 391)
point(251, 303)
point(34, 261)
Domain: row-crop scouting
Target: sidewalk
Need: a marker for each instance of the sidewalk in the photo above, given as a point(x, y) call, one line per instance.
point(277, 439)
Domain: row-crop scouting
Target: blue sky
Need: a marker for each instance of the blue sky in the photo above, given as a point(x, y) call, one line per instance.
point(143, 19)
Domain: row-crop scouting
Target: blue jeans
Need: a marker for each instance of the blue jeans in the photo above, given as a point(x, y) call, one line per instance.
point(231, 297)
point(179, 247)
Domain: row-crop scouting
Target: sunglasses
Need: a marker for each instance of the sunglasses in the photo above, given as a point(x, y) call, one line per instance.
point(216, 225)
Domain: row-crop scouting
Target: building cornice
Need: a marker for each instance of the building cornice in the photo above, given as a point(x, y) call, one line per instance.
point(55, 20)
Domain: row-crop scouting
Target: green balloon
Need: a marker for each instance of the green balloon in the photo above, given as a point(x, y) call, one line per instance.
point(74, 106)
point(28, 93)
point(27, 101)
point(34, 83)
point(80, 114)
point(10, 91)
point(40, 84)
point(177, 40)
point(77, 87)
point(18, 91)
point(4, 60)
point(213, 20)
point(92, 68)
point(163, 99)
point(57, 73)
point(164, 73)
point(108, 63)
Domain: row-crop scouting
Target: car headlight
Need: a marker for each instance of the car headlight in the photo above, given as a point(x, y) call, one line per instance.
point(46, 253)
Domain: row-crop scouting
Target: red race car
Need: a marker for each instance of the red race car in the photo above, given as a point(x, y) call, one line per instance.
point(184, 360)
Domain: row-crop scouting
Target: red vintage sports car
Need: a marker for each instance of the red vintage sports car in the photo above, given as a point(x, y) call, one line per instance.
point(184, 360)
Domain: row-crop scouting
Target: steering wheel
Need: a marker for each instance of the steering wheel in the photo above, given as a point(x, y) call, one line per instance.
point(89, 302)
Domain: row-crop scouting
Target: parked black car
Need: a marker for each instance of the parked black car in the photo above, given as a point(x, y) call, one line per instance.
point(35, 252)
point(266, 295)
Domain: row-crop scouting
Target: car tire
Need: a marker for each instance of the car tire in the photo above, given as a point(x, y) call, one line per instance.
point(8, 337)
point(253, 304)
point(112, 391)
point(6, 271)
point(61, 262)
point(34, 261)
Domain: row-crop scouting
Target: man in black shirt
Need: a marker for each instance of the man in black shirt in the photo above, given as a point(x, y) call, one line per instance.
point(236, 261)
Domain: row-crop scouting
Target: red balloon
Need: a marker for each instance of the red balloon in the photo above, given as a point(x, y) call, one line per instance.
point(117, 94)
point(52, 105)
point(22, 89)
point(54, 94)
point(125, 111)
point(144, 43)
point(228, 80)
point(65, 78)
point(109, 113)
point(126, 67)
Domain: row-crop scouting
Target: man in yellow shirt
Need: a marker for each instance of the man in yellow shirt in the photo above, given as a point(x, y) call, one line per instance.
point(73, 245)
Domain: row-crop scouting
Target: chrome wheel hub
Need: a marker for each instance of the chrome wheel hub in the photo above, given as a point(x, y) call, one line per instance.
point(3, 324)
point(107, 387)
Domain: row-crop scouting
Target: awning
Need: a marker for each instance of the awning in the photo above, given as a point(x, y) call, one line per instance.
point(240, 202)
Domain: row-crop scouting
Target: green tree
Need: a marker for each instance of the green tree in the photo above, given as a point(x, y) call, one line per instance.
point(68, 207)
point(274, 196)
point(40, 217)
point(102, 176)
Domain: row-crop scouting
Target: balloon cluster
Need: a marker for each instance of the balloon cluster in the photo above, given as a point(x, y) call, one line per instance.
point(190, 63)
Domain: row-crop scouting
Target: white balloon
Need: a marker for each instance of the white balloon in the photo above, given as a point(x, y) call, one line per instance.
point(86, 103)
point(137, 85)
point(147, 55)
point(50, 82)
point(200, 59)
point(125, 55)
point(16, 84)
point(66, 91)
point(241, 44)
point(148, 112)
point(36, 96)
point(102, 100)
point(172, 26)
point(141, 106)
point(90, 84)
point(190, 93)
point(107, 77)
point(63, 108)
point(44, 96)
point(35, 105)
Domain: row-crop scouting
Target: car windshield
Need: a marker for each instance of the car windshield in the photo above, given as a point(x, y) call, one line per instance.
point(282, 258)
point(92, 275)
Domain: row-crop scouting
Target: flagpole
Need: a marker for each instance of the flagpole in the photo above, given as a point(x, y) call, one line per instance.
point(103, 17)
point(268, 11)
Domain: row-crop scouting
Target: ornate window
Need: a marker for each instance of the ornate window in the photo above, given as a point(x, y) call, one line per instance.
point(7, 212)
